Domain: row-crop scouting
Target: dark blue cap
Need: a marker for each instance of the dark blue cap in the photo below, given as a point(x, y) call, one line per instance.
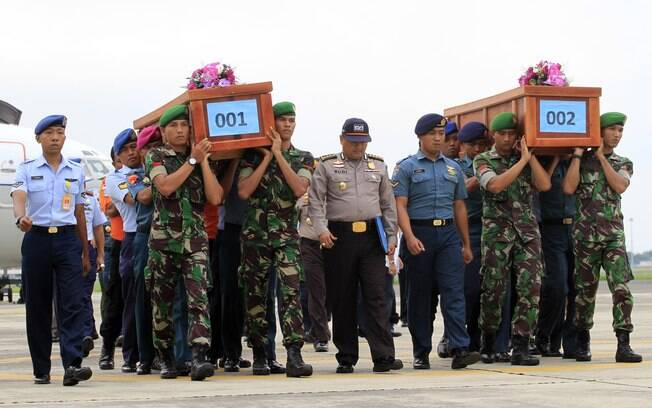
point(122, 139)
point(472, 131)
point(49, 121)
point(356, 130)
point(428, 122)
point(450, 128)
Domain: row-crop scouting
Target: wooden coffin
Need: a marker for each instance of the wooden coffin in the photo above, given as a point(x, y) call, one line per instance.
point(233, 118)
point(553, 119)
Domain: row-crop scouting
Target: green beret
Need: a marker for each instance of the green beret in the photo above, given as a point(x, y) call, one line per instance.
point(503, 121)
point(173, 113)
point(612, 118)
point(284, 108)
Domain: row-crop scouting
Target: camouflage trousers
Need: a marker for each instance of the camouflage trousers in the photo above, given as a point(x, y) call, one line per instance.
point(611, 256)
point(166, 268)
point(505, 262)
point(257, 259)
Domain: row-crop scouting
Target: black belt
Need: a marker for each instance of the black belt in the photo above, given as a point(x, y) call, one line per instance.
point(558, 221)
point(432, 222)
point(53, 230)
point(354, 226)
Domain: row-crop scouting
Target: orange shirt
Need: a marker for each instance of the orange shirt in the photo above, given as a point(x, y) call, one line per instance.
point(117, 232)
point(210, 220)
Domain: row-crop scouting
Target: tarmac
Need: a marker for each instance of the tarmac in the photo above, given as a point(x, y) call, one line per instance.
point(554, 383)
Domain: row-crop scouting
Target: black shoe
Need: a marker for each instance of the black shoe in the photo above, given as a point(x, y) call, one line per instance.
point(295, 366)
point(42, 379)
point(244, 363)
point(183, 368)
point(106, 356)
point(487, 354)
point(320, 346)
point(275, 367)
point(260, 366)
point(421, 363)
point(119, 341)
point(521, 352)
point(168, 368)
point(231, 366)
point(344, 369)
point(87, 345)
point(128, 368)
point(462, 357)
point(502, 357)
point(220, 362)
point(583, 352)
point(442, 348)
point(73, 375)
point(551, 353)
point(201, 367)
point(144, 368)
point(568, 356)
point(542, 344)
point(624, 353)
point(387, 364)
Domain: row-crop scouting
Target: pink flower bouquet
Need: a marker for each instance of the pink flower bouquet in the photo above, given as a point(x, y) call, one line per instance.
point(212, 75)
point(544, 73)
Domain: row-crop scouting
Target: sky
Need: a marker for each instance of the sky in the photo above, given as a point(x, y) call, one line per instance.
point(104, 64)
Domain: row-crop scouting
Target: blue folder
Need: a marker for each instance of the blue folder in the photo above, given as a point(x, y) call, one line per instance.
point(381, 233)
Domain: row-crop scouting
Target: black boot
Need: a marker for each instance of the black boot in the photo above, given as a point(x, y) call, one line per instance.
point(295, 366)
point(583, 352)
point(106, 356)
point(487, 350)
point(462, 357)
point(624, 353)
point(521, 352)
point(168, 367)
point(201, 367)
point(260, 366)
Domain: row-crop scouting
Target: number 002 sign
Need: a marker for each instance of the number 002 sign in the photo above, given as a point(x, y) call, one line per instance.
point(562, 116)
point(232, 118)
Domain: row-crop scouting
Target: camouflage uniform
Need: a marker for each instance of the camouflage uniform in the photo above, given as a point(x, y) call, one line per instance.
point(511, 243)
point(270, 239)
point(599, 238)
point(178, 250)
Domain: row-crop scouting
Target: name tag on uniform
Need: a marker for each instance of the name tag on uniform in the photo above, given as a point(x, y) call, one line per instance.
point(66, 202)
point(37, 177)
point(417, 171)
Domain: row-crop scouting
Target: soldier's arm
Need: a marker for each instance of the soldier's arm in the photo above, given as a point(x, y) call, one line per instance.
point(248, 183)
point(496, 183)
point(572, 179)
point(144, 196)
point(471, 183)
point(540, 176)
point(227, 179)
point(298, 183)
point(212, 188)
point(618, 181)
point(165, 183)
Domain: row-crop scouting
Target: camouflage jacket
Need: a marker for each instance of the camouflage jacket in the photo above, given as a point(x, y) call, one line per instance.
point(178, 221)
point(272, 215)
point(599, 217)
point(508, 214)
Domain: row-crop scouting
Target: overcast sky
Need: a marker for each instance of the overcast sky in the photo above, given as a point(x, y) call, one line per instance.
point(389, 62)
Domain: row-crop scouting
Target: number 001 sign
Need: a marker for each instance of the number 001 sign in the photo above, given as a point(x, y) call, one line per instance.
point(231, 118)
point(562, 116)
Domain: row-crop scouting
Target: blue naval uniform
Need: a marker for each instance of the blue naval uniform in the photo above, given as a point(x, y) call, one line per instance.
point(117, 187)
point(94, 217)
point(431, 188)
point(52, 259)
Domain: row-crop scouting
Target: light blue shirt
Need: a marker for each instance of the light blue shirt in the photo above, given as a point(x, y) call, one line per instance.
point(117, 187)
point(430, 186)
point(94, 216)
point(51, 196)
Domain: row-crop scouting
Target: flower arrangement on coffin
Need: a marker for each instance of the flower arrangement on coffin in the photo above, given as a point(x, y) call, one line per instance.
point(544, 73)
point(212, 75)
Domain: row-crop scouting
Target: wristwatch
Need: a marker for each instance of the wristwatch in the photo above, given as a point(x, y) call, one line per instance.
point(192, 161)
point(18, 219)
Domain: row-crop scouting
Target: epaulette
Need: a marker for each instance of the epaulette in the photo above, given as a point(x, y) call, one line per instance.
point(28, 161)
point(328, 157)
point(403, 159)
point(375, 157)
point(74, 163)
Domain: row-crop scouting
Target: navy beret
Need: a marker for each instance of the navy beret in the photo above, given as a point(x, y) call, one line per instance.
point(472, 131)
point(451, 127)
point(428, 122)
point(356, 130)
point(122, 139)
point(49, 121)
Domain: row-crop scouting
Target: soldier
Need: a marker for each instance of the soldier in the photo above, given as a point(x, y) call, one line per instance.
point(452, 143)
point(430, 192)
point(350, 192)
point(49, 209)
point(271, 180)
point(511, 244)
point(182, 182)
point(598, 178)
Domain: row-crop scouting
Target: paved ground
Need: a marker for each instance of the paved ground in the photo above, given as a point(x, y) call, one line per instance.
point(556, 382)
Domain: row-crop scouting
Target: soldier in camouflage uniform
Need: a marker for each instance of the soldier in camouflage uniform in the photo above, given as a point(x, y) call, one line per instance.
point(182, 183)
point(598, 178)
point(272, 180)
point(511, 243)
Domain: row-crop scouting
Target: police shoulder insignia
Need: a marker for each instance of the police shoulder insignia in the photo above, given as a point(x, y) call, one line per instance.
point(17, 184)
point(328, 157)
point(123, 185)
point(375, 157)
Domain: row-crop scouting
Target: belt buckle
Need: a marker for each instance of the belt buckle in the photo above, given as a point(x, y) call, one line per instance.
point(567, 221)
point(359, 226)
point(437, 223)
point(53, 230)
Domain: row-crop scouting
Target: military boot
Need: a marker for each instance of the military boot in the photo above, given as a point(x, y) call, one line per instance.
point(295, 366)
point(168, 365)
point(521, 352)
point(583, 352)
point(201, 367)
point(260, 366)
point(624, 353)
point(106, 356)
point(487, 349)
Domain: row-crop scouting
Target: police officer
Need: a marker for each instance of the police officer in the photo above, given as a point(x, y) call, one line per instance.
point(49, 208)
point(430, 192)
point(349, 192)
point(598, 178)
point(271, 180)
point(511, 243)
